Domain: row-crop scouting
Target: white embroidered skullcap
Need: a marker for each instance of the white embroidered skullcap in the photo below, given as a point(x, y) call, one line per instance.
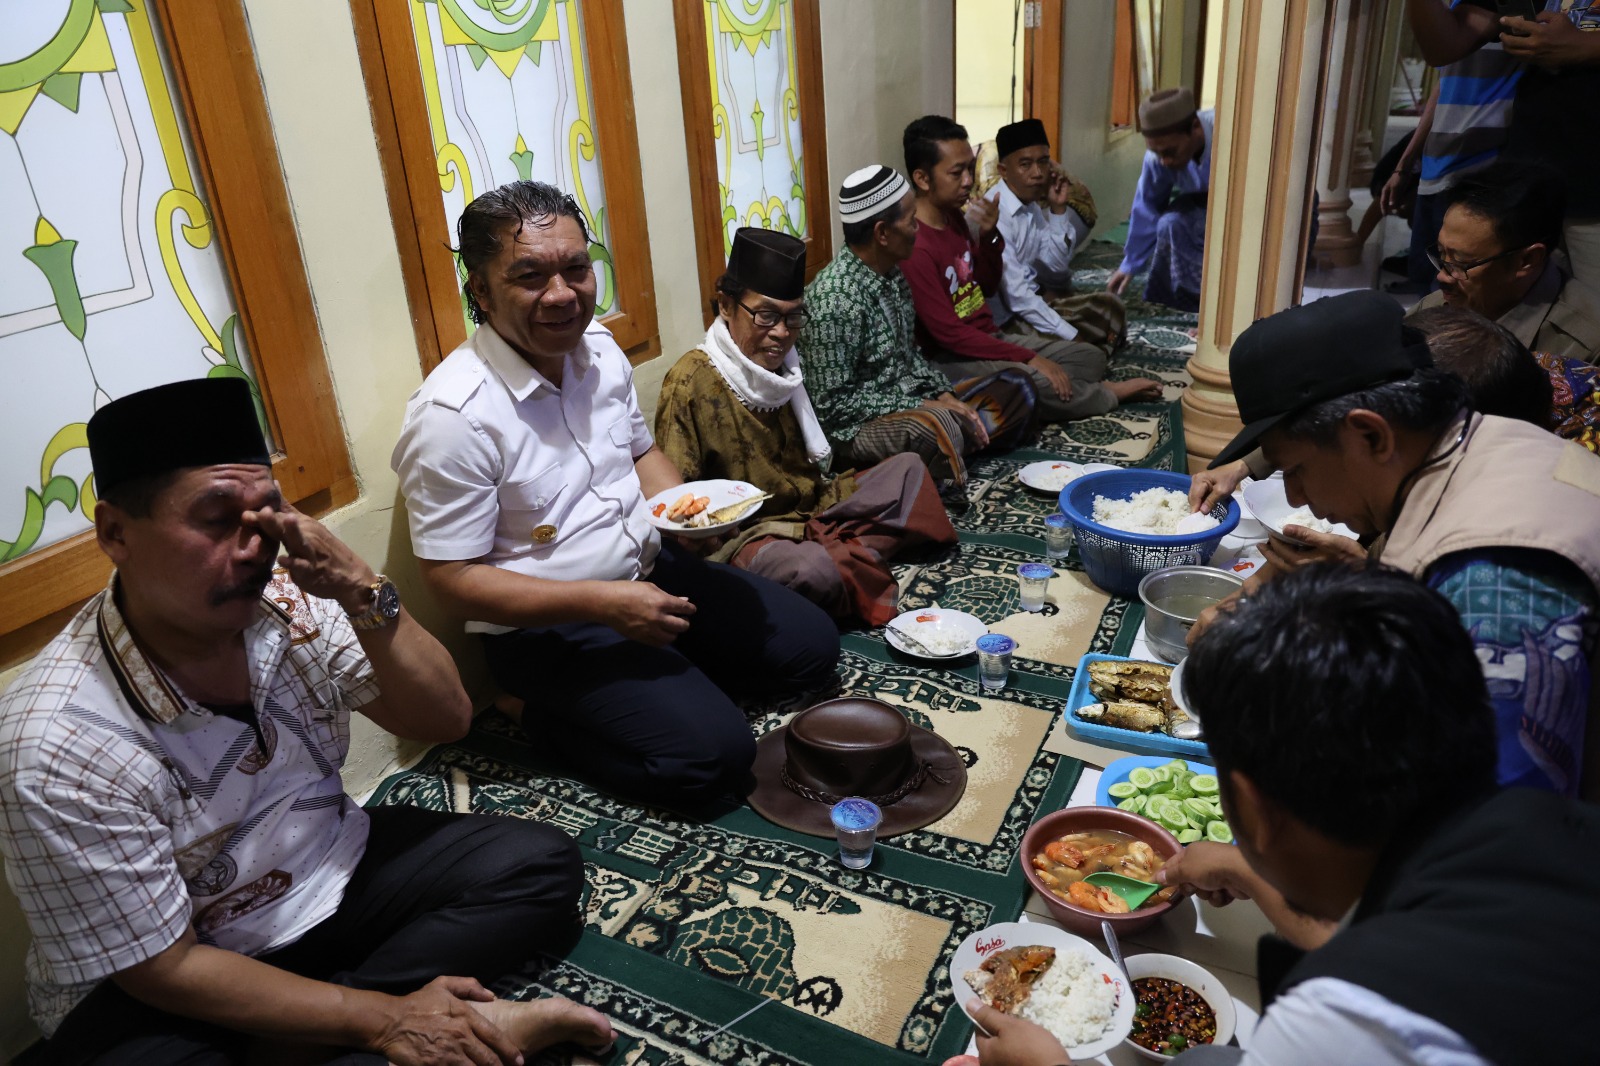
point(870, 190)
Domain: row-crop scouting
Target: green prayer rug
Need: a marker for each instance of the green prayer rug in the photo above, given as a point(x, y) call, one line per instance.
point(688, 925)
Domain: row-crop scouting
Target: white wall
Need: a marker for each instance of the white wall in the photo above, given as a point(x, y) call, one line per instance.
point(1108, 163)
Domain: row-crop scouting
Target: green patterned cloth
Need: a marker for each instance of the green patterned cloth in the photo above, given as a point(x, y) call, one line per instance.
point(689, 925)
point(860, 348)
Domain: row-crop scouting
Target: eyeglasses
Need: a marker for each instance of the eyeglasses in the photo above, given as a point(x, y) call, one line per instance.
point(767, 318)
point(1459, 271)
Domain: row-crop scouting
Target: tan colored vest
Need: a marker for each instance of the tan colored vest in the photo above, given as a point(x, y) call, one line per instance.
point(1509, 485)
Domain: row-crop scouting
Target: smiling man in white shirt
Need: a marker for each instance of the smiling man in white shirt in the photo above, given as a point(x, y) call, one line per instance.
point(526, 463)
point(1043, 227)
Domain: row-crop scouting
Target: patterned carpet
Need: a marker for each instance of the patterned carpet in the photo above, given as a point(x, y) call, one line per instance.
point(689, 925)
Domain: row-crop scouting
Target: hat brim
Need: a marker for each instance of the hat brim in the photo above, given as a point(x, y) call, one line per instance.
point(924, 806)
point(1246, 440)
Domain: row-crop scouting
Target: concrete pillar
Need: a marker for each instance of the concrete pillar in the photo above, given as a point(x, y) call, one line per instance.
point(1336, 240)
point(1258, 218)
point(1369, 142)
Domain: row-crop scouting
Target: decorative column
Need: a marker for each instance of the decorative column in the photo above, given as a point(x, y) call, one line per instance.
point(1258, 218)
point(1372, 80)
point(1336, 240)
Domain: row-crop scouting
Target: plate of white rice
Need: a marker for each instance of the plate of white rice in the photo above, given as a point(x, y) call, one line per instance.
point(1154, 512)
point(1270, 502)
point(1083, 999)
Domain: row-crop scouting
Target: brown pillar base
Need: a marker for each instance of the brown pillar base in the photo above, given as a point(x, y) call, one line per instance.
point(1210, 415)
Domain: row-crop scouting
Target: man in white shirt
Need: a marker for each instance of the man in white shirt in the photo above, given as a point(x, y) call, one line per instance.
point(1041, 218)
point(1355, 757)
point(525, 464)
point(198, 886)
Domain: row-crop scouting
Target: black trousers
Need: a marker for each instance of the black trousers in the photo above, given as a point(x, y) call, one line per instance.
point(658, 724)
point(434, 894)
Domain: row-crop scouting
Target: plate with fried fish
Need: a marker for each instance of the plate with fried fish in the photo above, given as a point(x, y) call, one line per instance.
point(1128, 703)
point(703, 508)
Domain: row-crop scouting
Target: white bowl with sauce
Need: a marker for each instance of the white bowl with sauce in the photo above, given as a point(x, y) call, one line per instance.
point(1174, 968)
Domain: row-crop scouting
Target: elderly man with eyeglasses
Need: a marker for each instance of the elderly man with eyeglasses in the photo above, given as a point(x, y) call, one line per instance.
point(1497, 255)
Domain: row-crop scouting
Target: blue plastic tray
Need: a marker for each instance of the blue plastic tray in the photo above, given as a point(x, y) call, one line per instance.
point(1126, 739)
point(1119, 771)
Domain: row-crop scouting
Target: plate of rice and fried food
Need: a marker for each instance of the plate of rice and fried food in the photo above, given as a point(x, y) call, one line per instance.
point(704, 508)
point(1050, 977)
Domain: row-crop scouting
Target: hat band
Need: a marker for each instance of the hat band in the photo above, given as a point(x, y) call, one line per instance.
point(924, 771)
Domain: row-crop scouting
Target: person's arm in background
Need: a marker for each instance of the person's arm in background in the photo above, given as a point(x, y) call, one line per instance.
point(1552, 40)
point(989, 247)
point(1445, 34)
point(1020, 283)
point(1219, 874)
point(930, 295)
point(677, 434)
point(1149, 200)
point(1402, 184)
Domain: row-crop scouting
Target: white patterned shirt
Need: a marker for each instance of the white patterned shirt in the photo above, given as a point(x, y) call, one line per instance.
point(128, 812)
point(499, 465)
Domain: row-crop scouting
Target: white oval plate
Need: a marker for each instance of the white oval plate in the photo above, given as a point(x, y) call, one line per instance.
point(1050, 475)
point(935, 622)
point(721, 492)
point(985, 942)
point(1270, 504)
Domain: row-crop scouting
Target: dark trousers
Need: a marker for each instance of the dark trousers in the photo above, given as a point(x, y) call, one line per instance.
point(658, 724)
point(1427, 216)
point(434, 894)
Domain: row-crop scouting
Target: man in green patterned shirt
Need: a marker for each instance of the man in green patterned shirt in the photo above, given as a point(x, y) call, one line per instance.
point(874, 393)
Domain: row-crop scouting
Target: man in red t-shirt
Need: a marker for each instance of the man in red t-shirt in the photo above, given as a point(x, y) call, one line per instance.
point(950, 273)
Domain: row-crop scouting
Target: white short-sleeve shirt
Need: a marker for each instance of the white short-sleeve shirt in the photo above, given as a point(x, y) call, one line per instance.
point(499, 465)
point(128, 812)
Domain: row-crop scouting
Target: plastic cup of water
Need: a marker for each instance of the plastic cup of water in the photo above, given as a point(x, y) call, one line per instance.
point(855, 823)
point(1034, 578)
point(1057, 536)
point(994, 660)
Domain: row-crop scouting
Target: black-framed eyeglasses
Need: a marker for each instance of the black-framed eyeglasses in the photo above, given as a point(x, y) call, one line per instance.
point(1459, 271)
point(767, 318)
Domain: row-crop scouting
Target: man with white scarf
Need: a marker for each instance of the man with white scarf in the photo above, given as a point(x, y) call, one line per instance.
point(526, 462)
point(736, 407)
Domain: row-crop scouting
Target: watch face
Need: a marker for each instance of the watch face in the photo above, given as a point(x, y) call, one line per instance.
point(387, 603)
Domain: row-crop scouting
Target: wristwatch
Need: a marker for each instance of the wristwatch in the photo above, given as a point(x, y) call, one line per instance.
point(385, 606)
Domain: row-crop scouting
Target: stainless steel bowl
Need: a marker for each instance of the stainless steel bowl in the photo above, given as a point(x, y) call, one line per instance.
point(1173, 598)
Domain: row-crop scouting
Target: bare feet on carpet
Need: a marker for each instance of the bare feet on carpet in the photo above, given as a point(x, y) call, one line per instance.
point(1135, 390)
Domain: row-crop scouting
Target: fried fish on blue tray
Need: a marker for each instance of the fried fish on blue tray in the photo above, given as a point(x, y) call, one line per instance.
point(1125, 714)
point(1115, 680)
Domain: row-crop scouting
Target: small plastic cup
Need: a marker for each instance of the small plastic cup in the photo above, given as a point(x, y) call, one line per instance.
point(994, 660)
point(1057, 536)
point(855, 823)
point(1034, 579)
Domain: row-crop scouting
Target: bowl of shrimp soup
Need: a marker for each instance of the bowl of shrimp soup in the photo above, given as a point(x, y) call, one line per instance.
point(1061, 849)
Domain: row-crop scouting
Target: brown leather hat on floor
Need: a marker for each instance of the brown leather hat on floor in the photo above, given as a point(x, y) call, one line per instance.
point(855, 747)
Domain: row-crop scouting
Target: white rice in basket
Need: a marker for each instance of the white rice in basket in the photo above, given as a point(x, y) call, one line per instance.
point(1071, 1000)
point(1151, 512)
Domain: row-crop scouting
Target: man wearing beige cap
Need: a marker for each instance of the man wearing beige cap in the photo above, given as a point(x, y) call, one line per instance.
point(1167, 227)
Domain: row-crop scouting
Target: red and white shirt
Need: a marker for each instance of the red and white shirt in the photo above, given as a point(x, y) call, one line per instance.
point(128, 812)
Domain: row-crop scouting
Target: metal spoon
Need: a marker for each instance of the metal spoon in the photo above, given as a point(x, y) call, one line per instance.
point(1116, 950)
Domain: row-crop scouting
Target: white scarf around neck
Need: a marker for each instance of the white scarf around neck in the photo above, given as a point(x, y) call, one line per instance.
point(764, 390)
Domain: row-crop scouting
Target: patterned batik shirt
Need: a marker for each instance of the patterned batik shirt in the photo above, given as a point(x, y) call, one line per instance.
point(860, 349)
point(1534, 619)
point(128, 812)
point(1574, 398)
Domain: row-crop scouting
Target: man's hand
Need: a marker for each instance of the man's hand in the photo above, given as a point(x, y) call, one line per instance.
point(1217, 873)
point(641, 611)
point(1014, 1041)
point(1319, 548)
point(1060, 381)
point(1117, 284)
point(319, 562)
point(437, 1026)
point(949, 402)
point(1211, 487)
point(1059, 193)
point(1551, 40)
point(1395, 196)
point(983, 215)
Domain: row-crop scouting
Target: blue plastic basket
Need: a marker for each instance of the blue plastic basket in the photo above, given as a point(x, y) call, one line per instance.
point(1117, 561)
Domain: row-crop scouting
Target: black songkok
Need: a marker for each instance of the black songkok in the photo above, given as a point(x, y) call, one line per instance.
point(1020, 135)
point(201, 422)
point(768, 262)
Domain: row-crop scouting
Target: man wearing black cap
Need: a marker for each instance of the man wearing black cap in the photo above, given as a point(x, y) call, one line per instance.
point(1045, 216)
point(1497, 515)
point(1167, 226)
point(197, 883)
point(526, 463)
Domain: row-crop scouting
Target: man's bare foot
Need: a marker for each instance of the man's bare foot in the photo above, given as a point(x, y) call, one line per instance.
point(540, 1023)
point(510, 706)
point(1135, 390)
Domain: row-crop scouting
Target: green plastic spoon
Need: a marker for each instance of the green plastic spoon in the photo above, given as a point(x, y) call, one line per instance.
point(1131, 889)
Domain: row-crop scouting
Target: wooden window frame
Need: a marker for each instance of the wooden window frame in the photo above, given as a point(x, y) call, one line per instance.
point(388, 49)
point(1042, 43)
point(694, 79)
point(218, 86)
point(1124, 69)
